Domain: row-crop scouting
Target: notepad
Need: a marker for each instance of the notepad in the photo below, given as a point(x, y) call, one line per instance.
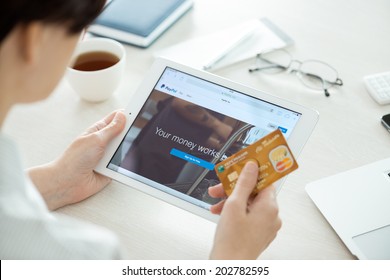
point(232, 42)
point(138, 22)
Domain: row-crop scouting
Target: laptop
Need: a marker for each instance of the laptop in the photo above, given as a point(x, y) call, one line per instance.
point(356, 203)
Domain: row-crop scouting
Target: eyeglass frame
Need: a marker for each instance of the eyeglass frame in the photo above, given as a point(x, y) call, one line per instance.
point(288, 68)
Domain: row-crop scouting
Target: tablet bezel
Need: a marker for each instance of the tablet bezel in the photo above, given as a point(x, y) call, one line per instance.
point(296, 140)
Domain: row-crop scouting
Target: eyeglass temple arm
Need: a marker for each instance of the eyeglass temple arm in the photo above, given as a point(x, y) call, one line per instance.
point(266, 67)
point(326, 92)
point(338, 82)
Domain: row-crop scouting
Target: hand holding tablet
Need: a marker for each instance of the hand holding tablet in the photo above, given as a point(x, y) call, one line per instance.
point(168, 148)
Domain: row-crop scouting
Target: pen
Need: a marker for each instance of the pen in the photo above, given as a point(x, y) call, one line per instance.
point(244, 36)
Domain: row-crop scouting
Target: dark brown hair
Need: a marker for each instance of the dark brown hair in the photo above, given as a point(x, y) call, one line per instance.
point(75, 15)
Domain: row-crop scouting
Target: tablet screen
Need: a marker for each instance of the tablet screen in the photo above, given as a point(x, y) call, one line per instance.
point(186, 126)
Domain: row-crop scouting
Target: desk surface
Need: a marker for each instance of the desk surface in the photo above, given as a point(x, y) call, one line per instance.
point(351, 35)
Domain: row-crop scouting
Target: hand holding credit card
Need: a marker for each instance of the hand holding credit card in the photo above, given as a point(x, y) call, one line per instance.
point(273, 156)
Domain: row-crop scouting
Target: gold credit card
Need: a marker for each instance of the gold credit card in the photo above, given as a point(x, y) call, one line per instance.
point(273, 156)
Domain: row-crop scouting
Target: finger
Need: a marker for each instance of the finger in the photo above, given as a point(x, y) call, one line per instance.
point(100, 124)
point(265, 196)
point(246, 182)
point(217, 208)
point(101, 180)
point(217, 191)
point(113, 128)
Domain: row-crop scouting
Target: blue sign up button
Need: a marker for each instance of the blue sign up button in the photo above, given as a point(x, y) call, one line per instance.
point(282, 129)
point(192, 159)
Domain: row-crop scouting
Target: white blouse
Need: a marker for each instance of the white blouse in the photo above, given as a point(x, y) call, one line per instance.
point(29, 231)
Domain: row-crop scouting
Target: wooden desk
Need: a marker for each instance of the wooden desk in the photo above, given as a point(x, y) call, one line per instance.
point(352, 36)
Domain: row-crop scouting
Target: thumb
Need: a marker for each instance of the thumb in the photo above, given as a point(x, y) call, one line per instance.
point(113, 128)
point(246, 181)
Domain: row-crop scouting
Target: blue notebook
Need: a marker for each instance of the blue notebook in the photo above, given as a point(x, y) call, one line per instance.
point(138, 22)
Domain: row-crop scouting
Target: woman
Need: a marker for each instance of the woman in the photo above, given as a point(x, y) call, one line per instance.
point(33, 35)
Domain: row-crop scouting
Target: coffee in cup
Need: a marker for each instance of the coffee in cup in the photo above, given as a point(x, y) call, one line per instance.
point(96, 68)
point(94, 61)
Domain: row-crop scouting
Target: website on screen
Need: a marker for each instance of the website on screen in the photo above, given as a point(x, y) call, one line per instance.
point(186, 126)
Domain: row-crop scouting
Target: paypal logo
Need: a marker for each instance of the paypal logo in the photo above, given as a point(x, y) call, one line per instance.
point(163, 86)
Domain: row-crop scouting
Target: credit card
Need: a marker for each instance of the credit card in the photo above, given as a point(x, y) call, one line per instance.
point(273, 156)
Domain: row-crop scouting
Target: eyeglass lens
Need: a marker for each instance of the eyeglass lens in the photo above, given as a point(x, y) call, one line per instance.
point(317, 75)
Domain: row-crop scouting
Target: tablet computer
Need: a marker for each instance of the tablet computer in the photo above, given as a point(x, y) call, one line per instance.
point(182, 121)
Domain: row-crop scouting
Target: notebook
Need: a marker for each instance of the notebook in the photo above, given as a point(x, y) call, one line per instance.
point(356, 203)
point(138, 22)
point(228, 46)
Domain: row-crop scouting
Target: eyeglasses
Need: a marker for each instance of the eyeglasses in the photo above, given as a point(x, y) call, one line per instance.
point(314, 74)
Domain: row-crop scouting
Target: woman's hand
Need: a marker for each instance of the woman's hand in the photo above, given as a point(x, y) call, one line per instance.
point(71, 178)
point(248, 224)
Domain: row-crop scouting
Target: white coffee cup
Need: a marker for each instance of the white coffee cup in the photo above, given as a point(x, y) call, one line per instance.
point(97, 85)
